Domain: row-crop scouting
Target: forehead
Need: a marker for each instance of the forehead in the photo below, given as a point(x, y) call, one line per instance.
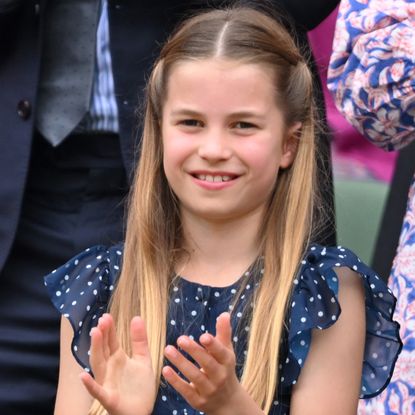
point(223, 81)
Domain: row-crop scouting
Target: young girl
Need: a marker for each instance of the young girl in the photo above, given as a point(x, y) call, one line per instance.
point(240, 313)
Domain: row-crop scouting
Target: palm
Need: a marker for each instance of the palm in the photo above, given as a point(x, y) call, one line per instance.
point(124, 385)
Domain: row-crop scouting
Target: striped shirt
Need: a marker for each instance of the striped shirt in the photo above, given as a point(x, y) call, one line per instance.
point(103, 110)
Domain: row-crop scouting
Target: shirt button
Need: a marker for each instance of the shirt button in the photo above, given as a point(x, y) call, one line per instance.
point(24, 109)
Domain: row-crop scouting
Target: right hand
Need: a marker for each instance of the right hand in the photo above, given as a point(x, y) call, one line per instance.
point(123, 385)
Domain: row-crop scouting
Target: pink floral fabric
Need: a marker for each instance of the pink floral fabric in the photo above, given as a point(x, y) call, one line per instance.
point(372, 78)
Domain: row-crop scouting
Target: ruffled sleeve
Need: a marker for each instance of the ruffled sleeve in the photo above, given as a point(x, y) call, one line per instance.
point(314, 305)
point(372, 73)
point(80, 290)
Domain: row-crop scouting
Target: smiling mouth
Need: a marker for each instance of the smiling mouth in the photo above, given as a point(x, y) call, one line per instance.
point(214, 178)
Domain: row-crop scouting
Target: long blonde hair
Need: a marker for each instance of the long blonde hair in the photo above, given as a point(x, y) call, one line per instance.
point(154, 235)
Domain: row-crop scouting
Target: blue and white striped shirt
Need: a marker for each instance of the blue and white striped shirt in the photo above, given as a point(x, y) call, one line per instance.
point(103, 110)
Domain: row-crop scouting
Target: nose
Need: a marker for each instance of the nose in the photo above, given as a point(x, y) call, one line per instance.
point(215, 145)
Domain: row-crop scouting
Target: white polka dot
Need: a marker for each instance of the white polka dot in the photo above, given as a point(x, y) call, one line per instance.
point(164, 398)
point(385, 368)
point(74, 302)
point(88, 307)
point(175, 289)
point(97, 270)
point(300, 361)
point(333, 317)
point(58, 293)
point(372, 286)
point(381, 295)
point(89, 283)
point(202, 327)
point(235, 339)
point(217, 294)
point(239, 314)
point(320, 314)
point(88, 266)
point(177, 300)
point(66, 277)
point(354, 267)
point(95, 292)
point(295, 282)
point(233, 291)
point(319, 296)
point(76, 262)
point(80, 324)
point(333, 300)
point(293, 304)
point(372, 376)
point(303, 319)
point(302, 342)
point(375, 355)
point(287, 360)
point(248, 287)
point(172, 322)
point(75, 348)
point(193, 313)
point(311, 299)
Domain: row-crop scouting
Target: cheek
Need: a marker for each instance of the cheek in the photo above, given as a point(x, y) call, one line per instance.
point(262, 155)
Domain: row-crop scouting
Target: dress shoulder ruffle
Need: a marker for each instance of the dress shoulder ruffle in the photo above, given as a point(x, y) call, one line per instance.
point(80, 290)
point(314, 305)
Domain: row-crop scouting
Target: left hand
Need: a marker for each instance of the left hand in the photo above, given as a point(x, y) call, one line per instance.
point(214, 386)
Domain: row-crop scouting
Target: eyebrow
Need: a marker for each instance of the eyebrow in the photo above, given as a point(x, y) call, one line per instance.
point(238, 114)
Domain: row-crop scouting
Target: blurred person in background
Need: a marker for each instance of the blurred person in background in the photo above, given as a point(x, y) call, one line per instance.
point(371, 76)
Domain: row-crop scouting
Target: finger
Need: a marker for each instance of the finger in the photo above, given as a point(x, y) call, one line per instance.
point(222, 354)
point(224, 329)
point(95, 389)
point(104, 326)
point(204, 359)
point(97, 356)
point(112, 335)
point(190, 371)
point(186, 390)
point(139, 342)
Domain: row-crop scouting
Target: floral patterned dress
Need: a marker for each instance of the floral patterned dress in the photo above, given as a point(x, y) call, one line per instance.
point(372, 78)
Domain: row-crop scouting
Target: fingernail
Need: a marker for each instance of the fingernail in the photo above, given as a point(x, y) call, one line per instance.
point(183, 341)
point(170, 351)
point(206, 338)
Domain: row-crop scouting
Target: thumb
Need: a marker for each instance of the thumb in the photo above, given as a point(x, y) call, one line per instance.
point(224, 329)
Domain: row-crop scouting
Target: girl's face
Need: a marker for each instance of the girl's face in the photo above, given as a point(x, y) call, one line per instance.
point(224, 138)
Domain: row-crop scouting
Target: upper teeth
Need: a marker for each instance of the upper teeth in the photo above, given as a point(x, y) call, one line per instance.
point(210, 178)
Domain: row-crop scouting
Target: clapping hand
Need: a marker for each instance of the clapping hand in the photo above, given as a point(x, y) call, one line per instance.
point(213, 387)
point(124, 385)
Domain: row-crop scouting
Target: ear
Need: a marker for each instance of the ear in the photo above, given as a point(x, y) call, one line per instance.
point(290, 145)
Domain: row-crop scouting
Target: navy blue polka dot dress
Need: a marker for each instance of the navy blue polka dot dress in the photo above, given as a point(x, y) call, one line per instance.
point(82, 287)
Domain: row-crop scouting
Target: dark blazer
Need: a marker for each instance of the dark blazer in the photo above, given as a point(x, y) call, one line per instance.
point(136, 30)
